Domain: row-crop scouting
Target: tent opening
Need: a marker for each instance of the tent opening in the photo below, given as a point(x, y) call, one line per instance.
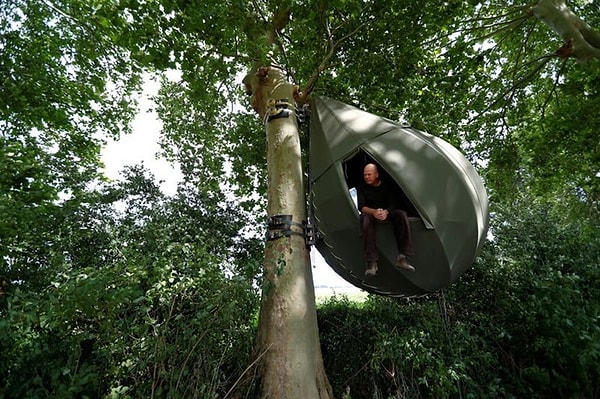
point(353, 173)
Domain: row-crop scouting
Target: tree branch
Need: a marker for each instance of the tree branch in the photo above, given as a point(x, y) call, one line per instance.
point(505, 24)
point(518, 83)
point(584, 41)
point(553, 90)
point(304, 93)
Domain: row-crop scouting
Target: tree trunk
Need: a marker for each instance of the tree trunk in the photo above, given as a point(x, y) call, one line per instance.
point(287, 350)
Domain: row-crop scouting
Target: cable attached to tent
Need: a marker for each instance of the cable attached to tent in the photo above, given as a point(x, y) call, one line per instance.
point(303, 118)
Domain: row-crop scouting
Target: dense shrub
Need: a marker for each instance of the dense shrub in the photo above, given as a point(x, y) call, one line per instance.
point(388, 348)
point(535, 296)
point(99, 335)
point(155, 301)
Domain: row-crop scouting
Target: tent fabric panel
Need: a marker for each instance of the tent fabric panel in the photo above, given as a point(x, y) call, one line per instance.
point(474, 187)
point(332, 205)
point(338, 129)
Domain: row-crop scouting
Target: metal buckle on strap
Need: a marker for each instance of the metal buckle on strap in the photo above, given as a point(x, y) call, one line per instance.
point(279, 226)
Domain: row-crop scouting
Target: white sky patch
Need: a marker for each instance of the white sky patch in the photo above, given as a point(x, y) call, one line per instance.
point(327, 282)
point(142, 146)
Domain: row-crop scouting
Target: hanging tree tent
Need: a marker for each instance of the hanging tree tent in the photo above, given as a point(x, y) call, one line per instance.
point(441, 191)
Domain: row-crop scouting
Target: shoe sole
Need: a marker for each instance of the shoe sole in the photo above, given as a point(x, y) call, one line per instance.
point(407, 269)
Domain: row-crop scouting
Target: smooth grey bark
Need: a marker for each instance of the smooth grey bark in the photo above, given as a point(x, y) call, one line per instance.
point(287, 349)
point(581, 41)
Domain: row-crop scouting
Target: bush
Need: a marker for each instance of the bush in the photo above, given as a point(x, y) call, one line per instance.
point(387, 348)
point(143, 303)
point(534, 298)
point(99, 335)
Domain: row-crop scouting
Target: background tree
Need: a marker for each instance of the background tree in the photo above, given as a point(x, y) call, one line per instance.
point(65, 88)
point(155, 300)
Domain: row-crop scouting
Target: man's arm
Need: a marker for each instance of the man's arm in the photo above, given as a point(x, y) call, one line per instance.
point(368, 211)
point(380, 214)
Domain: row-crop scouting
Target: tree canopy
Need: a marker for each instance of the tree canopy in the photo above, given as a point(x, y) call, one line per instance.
point(463, 70)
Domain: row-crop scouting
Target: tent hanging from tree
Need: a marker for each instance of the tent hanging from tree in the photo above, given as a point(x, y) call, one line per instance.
point(437, 186)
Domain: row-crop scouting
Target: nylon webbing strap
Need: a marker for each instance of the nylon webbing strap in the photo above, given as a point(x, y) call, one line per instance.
point(279, 226)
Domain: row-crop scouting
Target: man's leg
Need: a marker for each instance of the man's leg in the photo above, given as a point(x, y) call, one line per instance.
point(403, 235)
point(367, 226)
point(399, 220)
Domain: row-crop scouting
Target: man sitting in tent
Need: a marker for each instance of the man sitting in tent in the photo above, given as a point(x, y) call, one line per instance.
point(376, 203)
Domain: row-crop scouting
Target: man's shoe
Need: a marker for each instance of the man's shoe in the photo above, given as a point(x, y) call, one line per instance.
point(371, 268)
point(403, 264)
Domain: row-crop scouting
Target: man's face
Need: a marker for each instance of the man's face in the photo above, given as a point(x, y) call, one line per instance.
point(370, 175)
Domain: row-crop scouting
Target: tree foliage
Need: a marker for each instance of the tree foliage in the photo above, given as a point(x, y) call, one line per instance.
point(146, 302)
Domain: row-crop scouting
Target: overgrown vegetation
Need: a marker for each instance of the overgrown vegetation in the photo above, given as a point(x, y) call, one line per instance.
point(147, 302)
point(169, 323)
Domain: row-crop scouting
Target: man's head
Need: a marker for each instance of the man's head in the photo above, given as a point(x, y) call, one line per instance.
point(371, 175)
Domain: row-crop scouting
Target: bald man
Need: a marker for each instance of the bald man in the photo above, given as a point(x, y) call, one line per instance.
point(376, 203)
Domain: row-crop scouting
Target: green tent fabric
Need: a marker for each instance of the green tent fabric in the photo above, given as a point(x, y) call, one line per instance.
point(449, 200)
